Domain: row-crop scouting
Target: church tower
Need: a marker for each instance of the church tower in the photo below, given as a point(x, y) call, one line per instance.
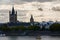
point(32, 20)
point(13, 16)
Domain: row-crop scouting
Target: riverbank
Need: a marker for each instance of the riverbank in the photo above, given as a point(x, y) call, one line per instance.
point(32, 33)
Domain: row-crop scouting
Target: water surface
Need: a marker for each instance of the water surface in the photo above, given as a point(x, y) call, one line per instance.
point(29, 38)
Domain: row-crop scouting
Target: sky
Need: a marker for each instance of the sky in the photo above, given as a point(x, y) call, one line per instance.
point(50, 10)
point(21, 1)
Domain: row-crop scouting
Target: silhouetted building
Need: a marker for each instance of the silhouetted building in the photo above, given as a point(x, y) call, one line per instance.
point(14, 22)
point(32, 20)
point(13, 16)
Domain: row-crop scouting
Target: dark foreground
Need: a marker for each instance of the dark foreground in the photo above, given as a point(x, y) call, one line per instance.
point(31, 33)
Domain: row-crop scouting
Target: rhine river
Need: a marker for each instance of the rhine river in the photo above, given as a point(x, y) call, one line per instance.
point(29, 38)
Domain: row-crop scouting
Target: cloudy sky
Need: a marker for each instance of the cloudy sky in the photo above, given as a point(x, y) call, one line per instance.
point(21, 1)
point(42, 10)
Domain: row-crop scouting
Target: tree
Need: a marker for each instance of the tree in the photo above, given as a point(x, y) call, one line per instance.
point(34, 28)
point(43, 28)
point(4, 27)
point(17, 28)
point(55, 27)
point(22, 28)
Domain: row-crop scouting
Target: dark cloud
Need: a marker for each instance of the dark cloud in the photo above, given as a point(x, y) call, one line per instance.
point(56, 8)
point(21, 1)
point(37, 0)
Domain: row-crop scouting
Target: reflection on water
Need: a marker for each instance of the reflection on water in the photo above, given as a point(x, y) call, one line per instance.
point(29, 38)
point(13, 38)
point(21, 38)
point(50, 38)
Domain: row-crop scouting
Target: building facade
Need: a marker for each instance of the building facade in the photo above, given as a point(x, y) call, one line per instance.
point(13, 16)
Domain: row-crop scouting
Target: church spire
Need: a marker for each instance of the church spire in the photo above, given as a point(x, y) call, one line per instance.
point(31, 16)
point(31, 19)
point(13, 11)
point(13, 15)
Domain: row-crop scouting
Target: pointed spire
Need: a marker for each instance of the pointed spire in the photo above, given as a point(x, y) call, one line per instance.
point(31, 19)
point(31, 16)
point(13, 8)
point(13, 11)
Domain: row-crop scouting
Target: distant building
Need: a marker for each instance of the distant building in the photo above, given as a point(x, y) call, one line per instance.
point(13, 19)
point(14, 22)
point(13, 16)
point(32, 20)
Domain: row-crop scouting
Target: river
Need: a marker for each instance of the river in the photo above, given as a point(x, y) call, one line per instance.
point(29, 38)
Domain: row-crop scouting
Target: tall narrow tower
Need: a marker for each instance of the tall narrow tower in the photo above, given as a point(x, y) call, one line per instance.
point(32, 20)
point(13, 16)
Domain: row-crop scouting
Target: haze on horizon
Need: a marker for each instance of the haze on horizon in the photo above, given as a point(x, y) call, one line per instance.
point(50, 10)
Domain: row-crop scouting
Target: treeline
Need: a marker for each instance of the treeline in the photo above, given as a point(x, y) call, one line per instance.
point(53, 27)
point(18, 28)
